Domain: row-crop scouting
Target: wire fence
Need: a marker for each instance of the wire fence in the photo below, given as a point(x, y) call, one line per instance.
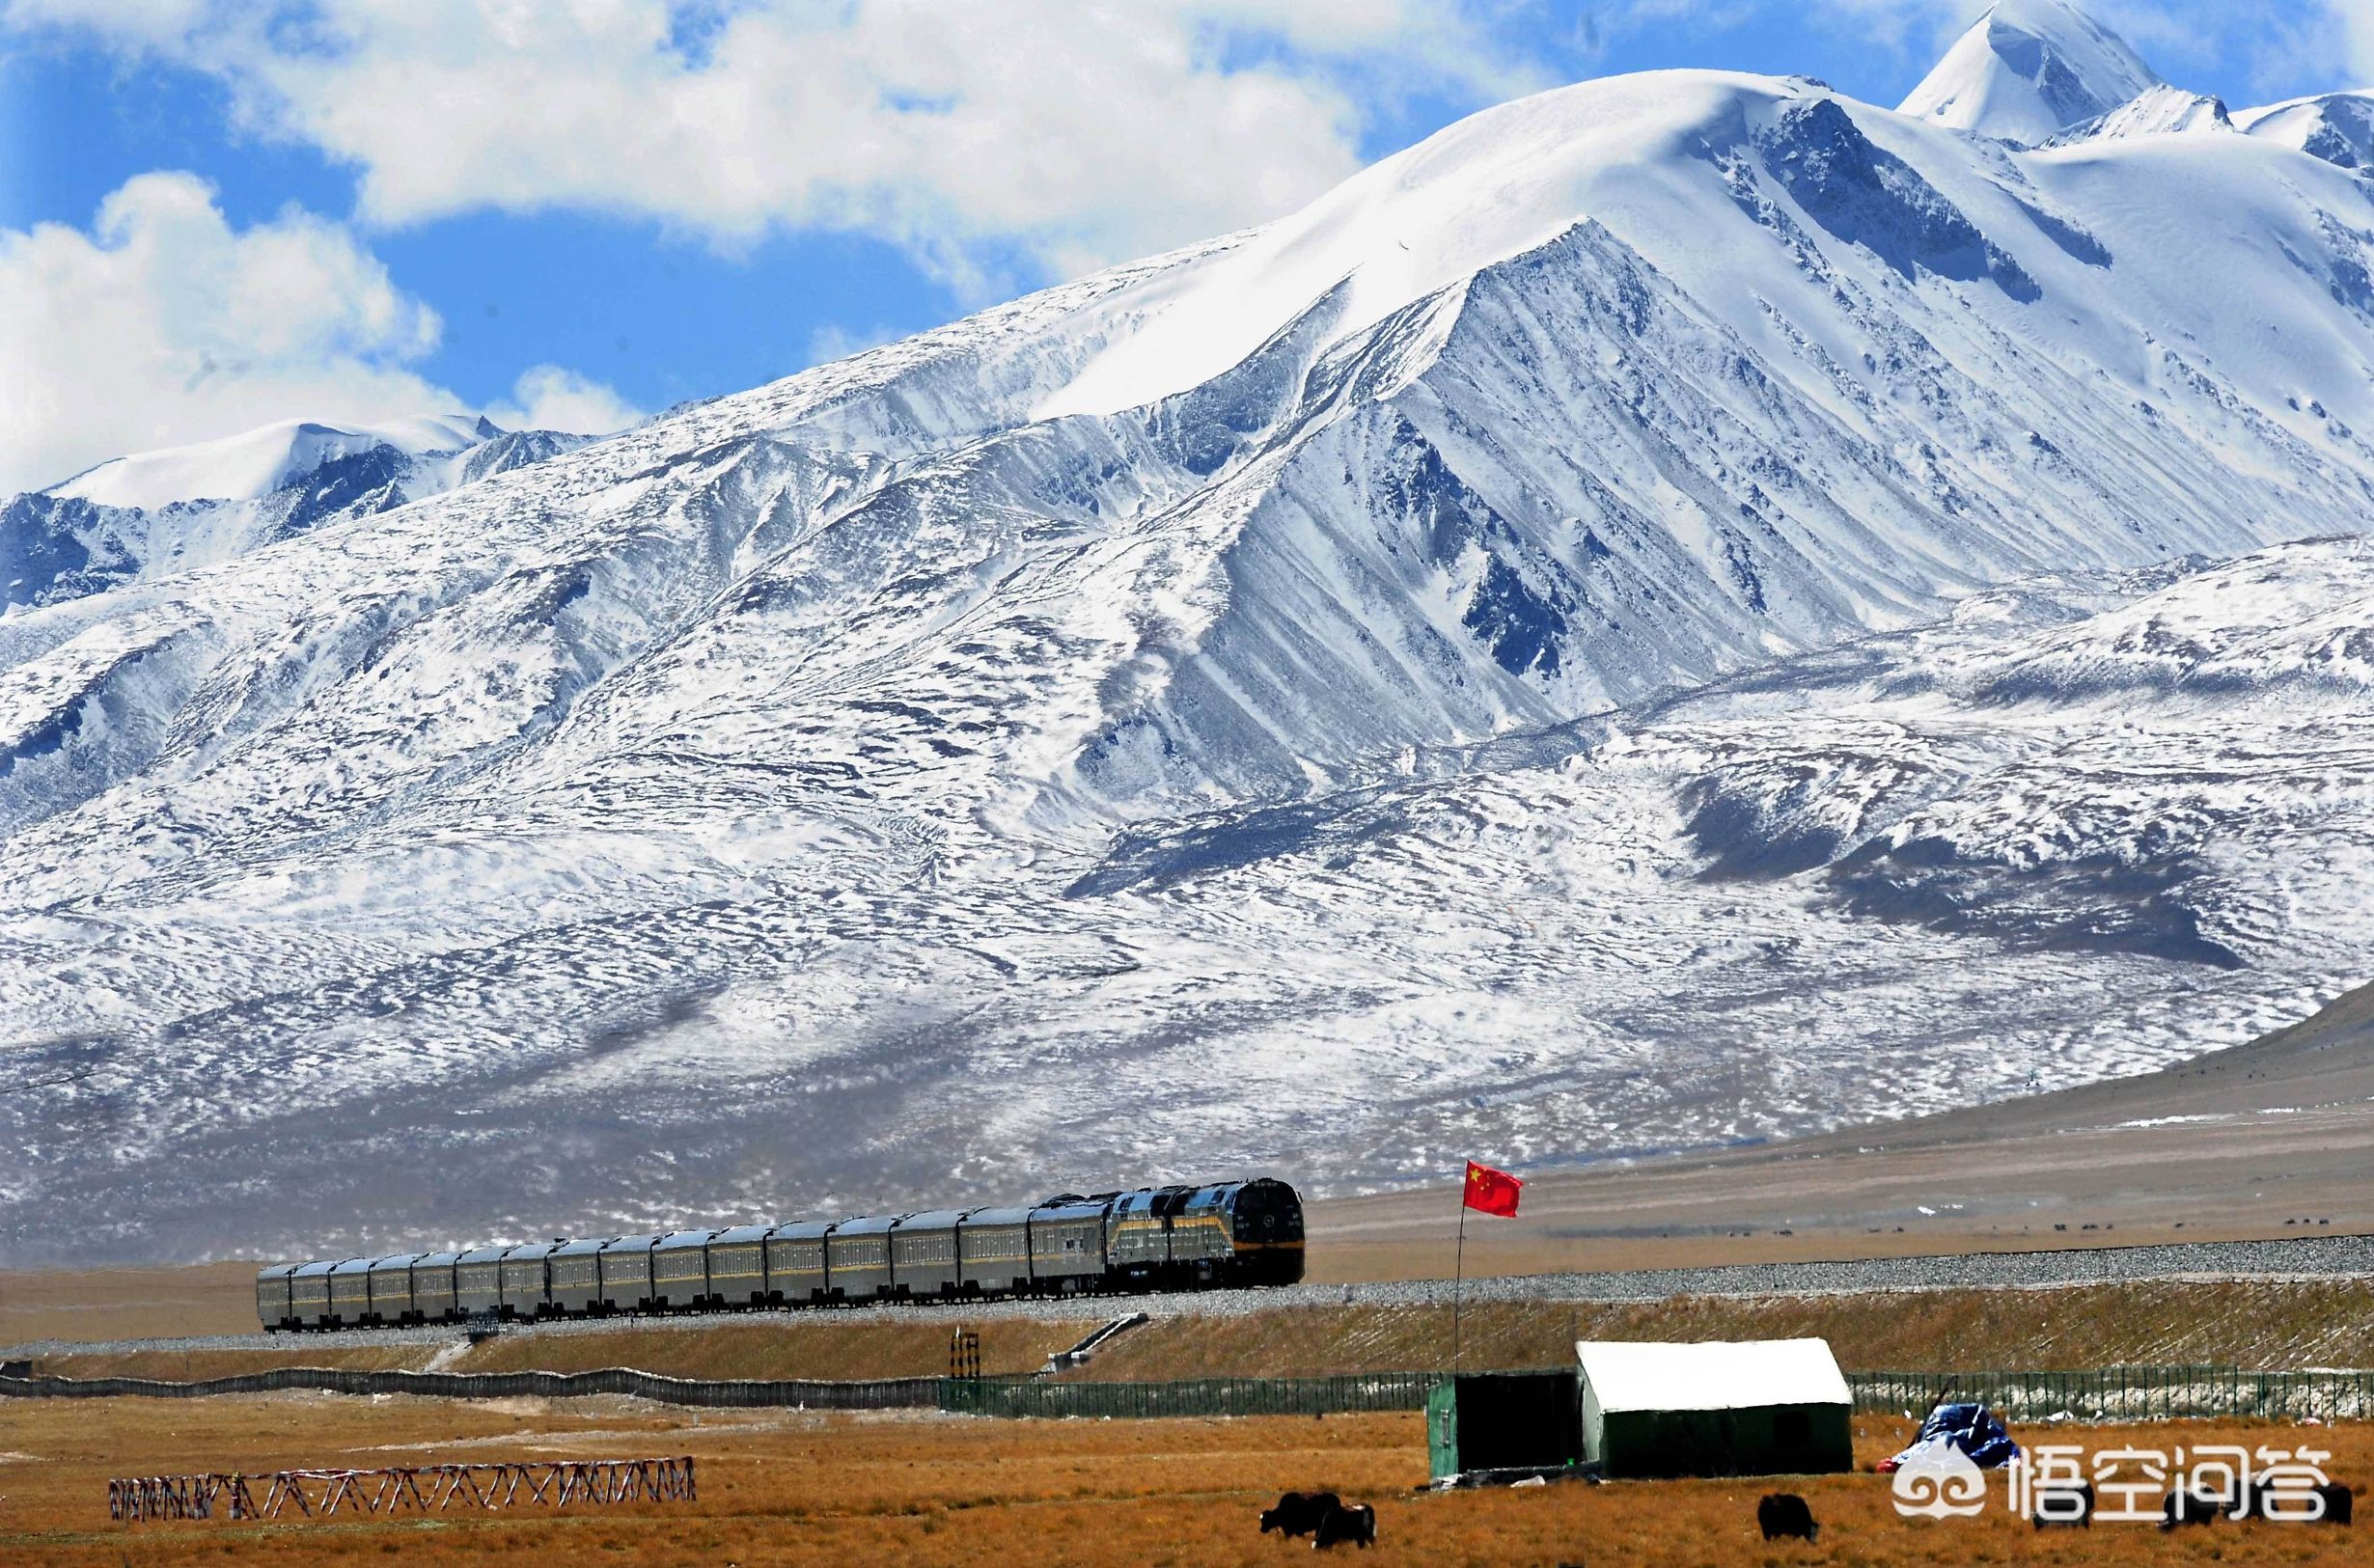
point(2127, 1393)
point(2110, 1393)
point(881, 1393)
point(1024, 1397)
point(1193, 1396)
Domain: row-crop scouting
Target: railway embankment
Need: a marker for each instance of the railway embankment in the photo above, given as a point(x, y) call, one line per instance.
point(2268, 1321)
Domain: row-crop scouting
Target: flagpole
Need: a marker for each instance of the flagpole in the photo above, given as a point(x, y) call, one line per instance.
point(1458, 1276)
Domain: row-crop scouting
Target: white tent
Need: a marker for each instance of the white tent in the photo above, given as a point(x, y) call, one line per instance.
point(1753, 1408)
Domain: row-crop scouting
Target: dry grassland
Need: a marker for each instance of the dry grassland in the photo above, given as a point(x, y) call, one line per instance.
point(86, 1305)
point(784, 1488)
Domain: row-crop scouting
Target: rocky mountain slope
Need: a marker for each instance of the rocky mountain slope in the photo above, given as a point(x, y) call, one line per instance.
point(155, 513)
point(1680, 609)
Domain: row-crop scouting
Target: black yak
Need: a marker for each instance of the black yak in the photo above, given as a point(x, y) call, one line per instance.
point(1298, 1513)
point(1354, 1521)
point(1785, 1513)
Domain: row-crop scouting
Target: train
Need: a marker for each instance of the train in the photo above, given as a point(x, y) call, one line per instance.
point(1230, 1234)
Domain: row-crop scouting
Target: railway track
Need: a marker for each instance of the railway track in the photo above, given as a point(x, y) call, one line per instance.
point(2333, 1257)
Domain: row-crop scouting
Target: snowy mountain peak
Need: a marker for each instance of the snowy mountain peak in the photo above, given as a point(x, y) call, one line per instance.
point(2157, 111)
point(255, 464)
point(2028, 69)
point(1493, 186)
point(152, 514)
point(2337, 128)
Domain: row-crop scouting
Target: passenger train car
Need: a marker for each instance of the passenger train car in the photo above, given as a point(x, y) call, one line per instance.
point(1238, 1233)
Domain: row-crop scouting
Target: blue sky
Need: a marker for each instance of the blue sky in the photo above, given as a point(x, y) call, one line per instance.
point(213, 215)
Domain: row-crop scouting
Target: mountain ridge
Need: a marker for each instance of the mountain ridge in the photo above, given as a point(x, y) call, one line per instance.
point(2028, 69)
point(1544, 648)
point(154, 514)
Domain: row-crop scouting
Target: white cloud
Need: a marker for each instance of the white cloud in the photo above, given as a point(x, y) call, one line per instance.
point(1073, 130)
point(551, 397)
point(1919, 26)
point(2353, 22)
point(155, 23)
point(163, 324)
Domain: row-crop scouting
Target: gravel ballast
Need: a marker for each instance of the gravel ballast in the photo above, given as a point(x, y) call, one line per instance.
point(2315, 1258)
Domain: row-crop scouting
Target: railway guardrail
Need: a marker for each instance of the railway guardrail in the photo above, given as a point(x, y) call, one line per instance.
point(1190, 1396)
point(2127, 1393)
point(881, 1393)
point(2111, 1393)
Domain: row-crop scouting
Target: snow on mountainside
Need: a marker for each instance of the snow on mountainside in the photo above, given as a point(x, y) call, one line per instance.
point(158, 512)
point(251, 466)
point(2028, 69)
point(2337, 128)
point(1557, 647)
point(2157, 111)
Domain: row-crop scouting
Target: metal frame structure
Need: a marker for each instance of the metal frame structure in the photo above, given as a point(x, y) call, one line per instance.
point(423, 1489)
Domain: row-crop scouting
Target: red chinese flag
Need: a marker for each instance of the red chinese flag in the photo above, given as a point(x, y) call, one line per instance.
point(1493, 1192)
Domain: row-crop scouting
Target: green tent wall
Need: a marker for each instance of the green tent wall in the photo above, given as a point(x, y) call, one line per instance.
point(1486, 1422)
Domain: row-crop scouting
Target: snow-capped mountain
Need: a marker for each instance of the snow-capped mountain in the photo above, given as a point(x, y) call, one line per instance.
point(2028, 69)
point(2156, 111)
point(154, 514)
point(1682, 608)
point(2337, 128)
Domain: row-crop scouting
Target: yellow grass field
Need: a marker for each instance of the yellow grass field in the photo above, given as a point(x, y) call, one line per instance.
point(127, 1304)
point(788, 1488)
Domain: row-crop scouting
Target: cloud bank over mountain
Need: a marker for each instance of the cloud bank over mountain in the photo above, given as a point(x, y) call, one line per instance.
point(165, 323)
